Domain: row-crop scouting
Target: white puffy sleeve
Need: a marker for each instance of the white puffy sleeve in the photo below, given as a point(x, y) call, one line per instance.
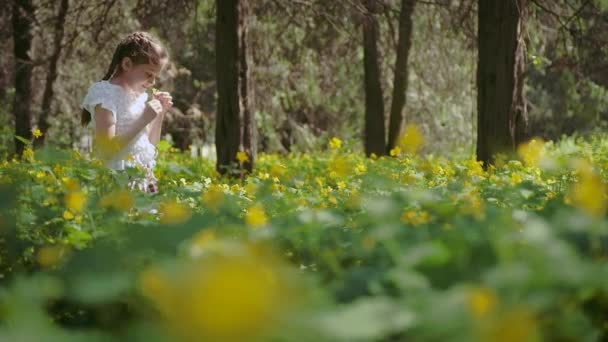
point(99, 94)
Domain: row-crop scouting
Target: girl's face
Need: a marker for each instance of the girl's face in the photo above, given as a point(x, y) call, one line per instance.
point(140, 77)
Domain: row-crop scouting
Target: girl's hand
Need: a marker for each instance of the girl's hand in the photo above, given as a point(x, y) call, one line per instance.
point(153, 109)
point(165, 99)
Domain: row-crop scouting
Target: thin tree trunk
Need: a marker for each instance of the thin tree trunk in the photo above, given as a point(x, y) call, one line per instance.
point(401, 72)
point(374, 102)
point(501, 104)
point(234, 123)
point(51, 76)
point(248, 128)
point(23, 12)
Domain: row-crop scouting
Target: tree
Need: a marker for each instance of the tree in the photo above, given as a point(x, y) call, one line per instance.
point(401, 72)
point(374, 102)
point(235, 124)
point(23, 13)
point(47, 97)
point(501, 106)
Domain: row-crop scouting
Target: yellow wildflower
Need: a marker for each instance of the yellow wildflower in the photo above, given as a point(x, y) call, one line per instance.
point(513, 325)
point(50, 256)
point(68, 215)
point(75, 201)
point(335, 143)
point(589, 194)
point(220, 298)
point(416, 217)
point(242, 157)
point(482, 301)
point(256, 216)
point(213, 197)
point(173, 212)
point(411, 139)
point(532, 151)
point(339, 167)
point(37, 133)
point(121, 200)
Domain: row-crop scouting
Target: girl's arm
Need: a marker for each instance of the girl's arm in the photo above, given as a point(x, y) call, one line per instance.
point(155, 129)
point(105, 129)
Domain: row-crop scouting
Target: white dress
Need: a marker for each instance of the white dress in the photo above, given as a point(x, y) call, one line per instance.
point(127, 107)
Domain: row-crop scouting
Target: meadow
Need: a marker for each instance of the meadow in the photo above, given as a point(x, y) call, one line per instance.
point(330, 246)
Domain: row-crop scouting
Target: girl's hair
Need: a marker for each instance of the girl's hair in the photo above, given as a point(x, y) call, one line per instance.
point(141, 48)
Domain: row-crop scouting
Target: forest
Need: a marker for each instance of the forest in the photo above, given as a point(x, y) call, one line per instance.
point(346, 170)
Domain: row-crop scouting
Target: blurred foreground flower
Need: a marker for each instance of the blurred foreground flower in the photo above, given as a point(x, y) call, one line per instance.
point(256, 216)
point(532, 152)
point(411, 139)
point(235, 296)
point(589, 193)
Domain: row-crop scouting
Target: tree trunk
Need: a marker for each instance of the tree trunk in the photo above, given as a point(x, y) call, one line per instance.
point(235, 124)
point(401, 72)
point(501, 107)
point(374, 102)
point(47, 97)
point(23, 12)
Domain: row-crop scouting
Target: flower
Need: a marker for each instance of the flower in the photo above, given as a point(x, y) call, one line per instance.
point(481, 301)
point(173, 212)
point(50, 256)
point(256, 216)
point(232, 297)
point(37, 133)
point(75, 201)
point(213, 197)
point(28, 154)
point(532, 151)
point(589, 193)
point(411, 139)
point(339, 167)
point(335, 143)
point(121, 200)
point(68, 215)
point(416, 217)
point(242, 157)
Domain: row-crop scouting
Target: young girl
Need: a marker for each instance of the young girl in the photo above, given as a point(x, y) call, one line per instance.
point(128, 126)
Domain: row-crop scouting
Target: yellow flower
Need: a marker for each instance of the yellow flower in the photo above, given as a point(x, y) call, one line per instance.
point(335, 143)
point(50, 256)
point(256, 216)
point(516, 178)
point(482, 301)
point(28, 154)
point(68, 215)
point(395, 152)
point(75, 201)
point(339, 167)
point(589, 194)
point(532, 151)
point(234, 297)
point(201, 241)
point(411, 139)
point(121, 200)
point(173, 212)
point(37, 133)
point(242, 157)
point(416, 217)
point(361, 168)
point(213, 197)
point(513, 325)
point(277, 170)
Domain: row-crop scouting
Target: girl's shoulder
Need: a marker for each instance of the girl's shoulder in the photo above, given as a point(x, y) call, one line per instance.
point(104, 87)
point(104, 93)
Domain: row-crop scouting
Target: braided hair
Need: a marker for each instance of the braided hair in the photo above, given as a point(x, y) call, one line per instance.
point(141, 48)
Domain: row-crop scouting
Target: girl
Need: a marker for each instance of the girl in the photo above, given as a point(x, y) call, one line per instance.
point(128, 126)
